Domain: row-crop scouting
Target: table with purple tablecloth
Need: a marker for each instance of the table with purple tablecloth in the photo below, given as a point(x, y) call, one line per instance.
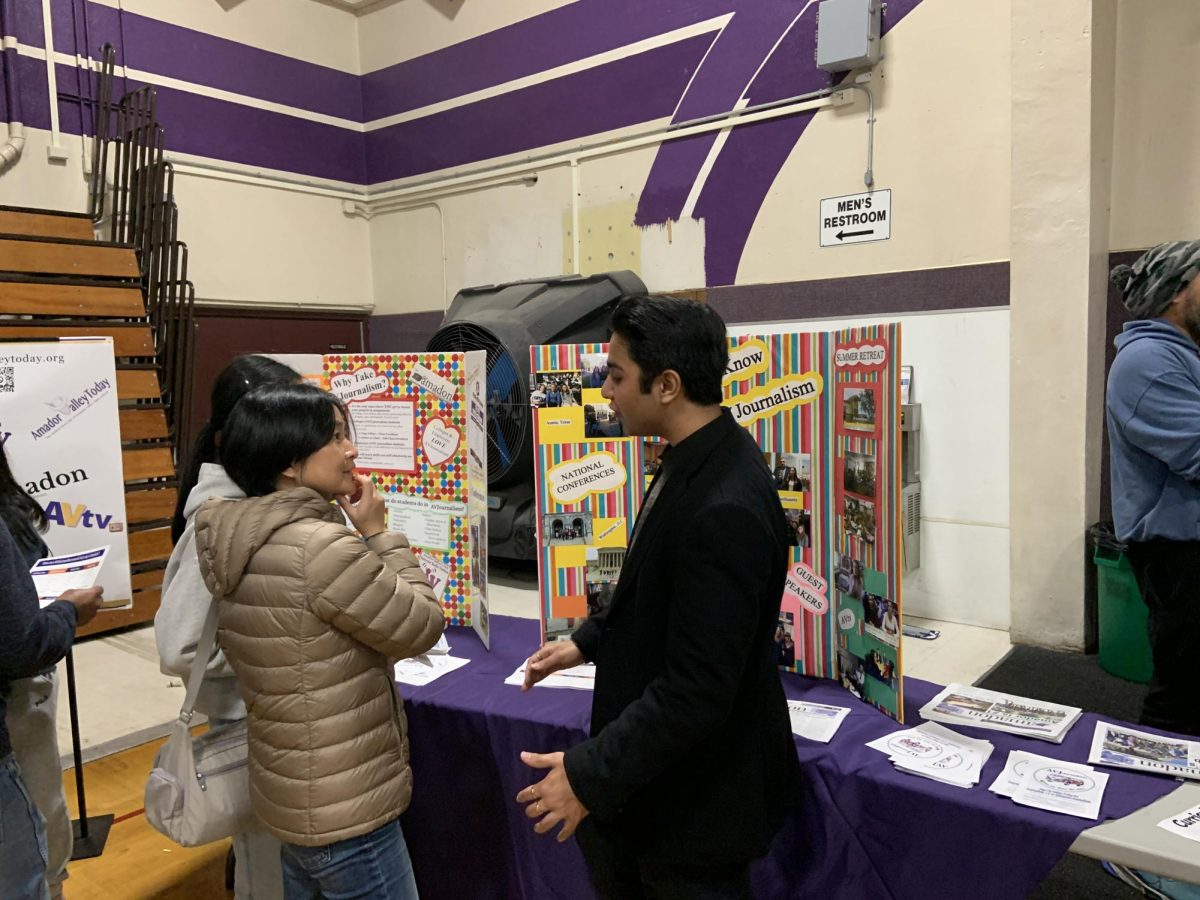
point(865, 829)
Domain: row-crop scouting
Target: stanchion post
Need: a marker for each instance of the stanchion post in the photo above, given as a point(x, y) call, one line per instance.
point(90, 834)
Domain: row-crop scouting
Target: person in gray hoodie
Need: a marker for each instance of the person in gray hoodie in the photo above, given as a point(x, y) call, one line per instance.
point(185, 601)
point(1153, 411)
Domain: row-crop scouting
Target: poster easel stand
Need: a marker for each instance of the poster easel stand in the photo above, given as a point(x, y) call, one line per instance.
point(90, 834)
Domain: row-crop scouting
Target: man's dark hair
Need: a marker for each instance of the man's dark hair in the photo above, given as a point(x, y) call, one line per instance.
point(671, 333)
point(273, 427)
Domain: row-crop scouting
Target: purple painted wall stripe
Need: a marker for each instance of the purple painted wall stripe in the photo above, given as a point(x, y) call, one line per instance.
point(615, 95)
point(229, 131)
point(555, 38)
point(161, 48)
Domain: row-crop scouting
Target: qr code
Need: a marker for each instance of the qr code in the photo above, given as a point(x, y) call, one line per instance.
point(7, 385)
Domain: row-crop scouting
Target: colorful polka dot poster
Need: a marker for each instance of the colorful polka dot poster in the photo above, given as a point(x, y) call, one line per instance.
point(418, 421)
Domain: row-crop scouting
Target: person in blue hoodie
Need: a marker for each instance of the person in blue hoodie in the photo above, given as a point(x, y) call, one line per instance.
point(1153, 410)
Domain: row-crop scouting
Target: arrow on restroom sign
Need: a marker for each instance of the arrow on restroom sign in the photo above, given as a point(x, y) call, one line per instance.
point(856, 218)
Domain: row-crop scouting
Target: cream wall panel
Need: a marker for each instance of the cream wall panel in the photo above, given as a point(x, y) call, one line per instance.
point(1156, 163)
point(257, 244)
point(941, 145)
point(313, 32)
point(410, 28)
point(35, 181)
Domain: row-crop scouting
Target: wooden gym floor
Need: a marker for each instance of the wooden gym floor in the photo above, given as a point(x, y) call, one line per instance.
point(138, 863)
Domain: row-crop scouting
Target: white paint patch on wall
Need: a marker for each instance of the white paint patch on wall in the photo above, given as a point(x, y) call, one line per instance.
point(673, 255)
point(961, 363)
point(312, 32)
point(499, 234)
point(942, 145)
point(1156, 169)
point(412, 28)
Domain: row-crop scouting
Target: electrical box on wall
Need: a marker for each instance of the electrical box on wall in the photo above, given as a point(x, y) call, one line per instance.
point(848, 34)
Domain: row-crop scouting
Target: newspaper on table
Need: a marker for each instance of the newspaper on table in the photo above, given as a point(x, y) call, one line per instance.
point(1062, 787)
point(55, 575)
point(961, 704)
point(420, 671)
point(1125, 748)
point(937, 753)
point(816, 721)
point(580, 678)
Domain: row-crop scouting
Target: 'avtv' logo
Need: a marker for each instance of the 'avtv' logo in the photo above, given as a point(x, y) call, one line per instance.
point(73, 515)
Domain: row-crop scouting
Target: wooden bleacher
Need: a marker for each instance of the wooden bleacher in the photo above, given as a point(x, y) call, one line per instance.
point(60, 281)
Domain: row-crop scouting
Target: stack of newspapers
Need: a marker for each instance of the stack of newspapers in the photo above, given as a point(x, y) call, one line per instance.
point(1121, 746)
point(937, 753)
point(965, 705)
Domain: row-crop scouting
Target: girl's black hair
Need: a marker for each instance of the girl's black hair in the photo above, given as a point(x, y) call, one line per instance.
point(239, 377)
point(273, 427)
point(22, 514)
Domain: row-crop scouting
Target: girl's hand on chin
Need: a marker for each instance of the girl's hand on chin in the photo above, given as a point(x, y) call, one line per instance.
point(368, 513)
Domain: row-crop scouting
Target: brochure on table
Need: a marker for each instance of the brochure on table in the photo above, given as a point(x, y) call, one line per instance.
point(61, 431)
point(418, 421)
point(825, 409)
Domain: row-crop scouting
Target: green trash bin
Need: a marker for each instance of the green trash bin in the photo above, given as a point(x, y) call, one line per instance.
point(1124, 643)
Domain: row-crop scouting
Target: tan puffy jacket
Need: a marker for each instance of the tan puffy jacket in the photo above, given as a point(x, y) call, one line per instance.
point(311, 618)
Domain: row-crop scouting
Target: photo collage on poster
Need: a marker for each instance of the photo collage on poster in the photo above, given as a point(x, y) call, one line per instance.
point(588, 485)
point(822, 408)
point(866, 557)
point(418, 420)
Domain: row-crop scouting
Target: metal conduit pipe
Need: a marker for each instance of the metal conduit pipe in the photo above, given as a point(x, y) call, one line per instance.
point(13, 147)
point(869, 177)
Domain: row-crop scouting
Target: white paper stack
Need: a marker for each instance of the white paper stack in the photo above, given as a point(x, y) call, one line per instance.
point(816, 721)
point(580, 678)
point(1062, 787)
point(1116, 745)
point(937, 753)
point(421, 670)
point(961, 704)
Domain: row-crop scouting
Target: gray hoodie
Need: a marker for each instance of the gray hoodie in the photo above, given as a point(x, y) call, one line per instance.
point(185, 602)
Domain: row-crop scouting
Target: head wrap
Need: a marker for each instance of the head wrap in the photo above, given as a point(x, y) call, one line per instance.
point(1157, 277)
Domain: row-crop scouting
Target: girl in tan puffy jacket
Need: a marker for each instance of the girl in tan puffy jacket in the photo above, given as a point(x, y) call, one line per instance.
point(312, 619)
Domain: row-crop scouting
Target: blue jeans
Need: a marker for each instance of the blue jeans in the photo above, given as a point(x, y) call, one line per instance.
point(22, 838)
point(373, 866)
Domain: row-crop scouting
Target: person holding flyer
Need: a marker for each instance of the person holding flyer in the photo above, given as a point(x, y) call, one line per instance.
point(37, 838)
point(691, 765)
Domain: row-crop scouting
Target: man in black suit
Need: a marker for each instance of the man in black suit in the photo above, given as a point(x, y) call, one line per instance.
point(691, 764)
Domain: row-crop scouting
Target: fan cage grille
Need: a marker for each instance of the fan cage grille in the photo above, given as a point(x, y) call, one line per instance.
point(507, 393)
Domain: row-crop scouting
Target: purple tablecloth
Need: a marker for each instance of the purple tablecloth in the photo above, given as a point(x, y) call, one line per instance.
point(865, 829)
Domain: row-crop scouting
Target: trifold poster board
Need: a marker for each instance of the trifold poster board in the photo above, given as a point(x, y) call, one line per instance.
point(588, 482)
point(825, 409)
point(61, 431)
point(418, 422)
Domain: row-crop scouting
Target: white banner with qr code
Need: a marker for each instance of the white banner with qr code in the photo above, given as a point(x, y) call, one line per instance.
point(61, 432)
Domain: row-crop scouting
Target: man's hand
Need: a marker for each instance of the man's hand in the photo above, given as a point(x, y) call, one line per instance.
point(554, 656)
point(86, 602)
point(552, 799)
